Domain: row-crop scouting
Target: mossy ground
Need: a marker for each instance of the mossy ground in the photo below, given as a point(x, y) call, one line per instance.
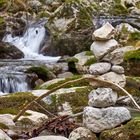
point(12, 103)
point(81, 83)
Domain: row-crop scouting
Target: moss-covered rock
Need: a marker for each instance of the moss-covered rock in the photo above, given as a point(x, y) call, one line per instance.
point(2, 27)
point(12, 103)
point(8, 51)
point(132, 63)
point(130, 131)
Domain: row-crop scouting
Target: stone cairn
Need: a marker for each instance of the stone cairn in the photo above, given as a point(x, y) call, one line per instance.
point(108, 55)
point(100, 115)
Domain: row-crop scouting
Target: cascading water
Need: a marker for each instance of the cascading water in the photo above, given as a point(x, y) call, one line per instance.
point(13, 80)
point(30, 43)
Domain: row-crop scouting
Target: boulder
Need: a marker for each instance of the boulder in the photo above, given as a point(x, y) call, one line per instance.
point(82, 133)
point(102, 48)
point(119, 79)
point(100, 68)
point(106, 32)
point(129, 131)
point(8, 51)
point(7, 119)
point(102, 97)
point(49, 138)
point(117, 69)
point(116, 56)
point(99, 120)
point(4, 136)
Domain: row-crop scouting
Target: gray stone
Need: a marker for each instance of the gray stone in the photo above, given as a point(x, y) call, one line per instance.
point(65, 75)
point(113, 77)
point(116, 56)
point(4, 136)
point(99, 68)
point(117, 69)
point(82, 133)
point(102, 97)
point(102, 48)
point(49, 138)
point(99, 120)
point(106, 32)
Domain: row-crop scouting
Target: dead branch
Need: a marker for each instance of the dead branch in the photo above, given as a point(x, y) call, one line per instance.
point(90, 78)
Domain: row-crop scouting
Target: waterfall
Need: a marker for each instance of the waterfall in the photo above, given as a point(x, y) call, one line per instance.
point(11, 78)
point(31, 42)
point(10, 83)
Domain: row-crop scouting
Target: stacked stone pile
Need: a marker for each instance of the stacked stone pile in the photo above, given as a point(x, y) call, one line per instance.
point(101, 114)
point(105, 49)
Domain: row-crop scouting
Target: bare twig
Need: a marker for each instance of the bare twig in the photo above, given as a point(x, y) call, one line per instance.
point(99, 82)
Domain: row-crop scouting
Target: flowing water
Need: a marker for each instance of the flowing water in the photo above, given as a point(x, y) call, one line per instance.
point(12, 76)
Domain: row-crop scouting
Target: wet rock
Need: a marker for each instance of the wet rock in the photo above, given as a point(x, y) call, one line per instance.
point(99, 68)
point(4, 136)
point(102, 97)
point(106, 32)
point(117, 69)
point(49, 138)
point(8, 51)
point(102, 48)
point(115, 78)
point(82, 133)
point(99, 120)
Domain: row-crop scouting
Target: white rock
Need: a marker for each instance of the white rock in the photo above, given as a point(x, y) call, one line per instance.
point(65, 75)
point(106, 32)
point(83, 57)
point(34, 116)
point(99, 120)
point(119, 79)
point(99, 68)
point(116, 57)
point(82, 133)
point(4, 136)
point(102, 48)
point(117, 69)
point(49, 138)
point(7, 119)
point(102, 97)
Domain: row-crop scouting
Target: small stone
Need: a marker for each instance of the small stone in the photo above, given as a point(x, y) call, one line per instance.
point(102, 97)
point(82, 133)
point(98, 120)
point(113, 77)
point(106, 32)
point(102, 48)
point(117, 69)
point(99, 68)
point(49, 138)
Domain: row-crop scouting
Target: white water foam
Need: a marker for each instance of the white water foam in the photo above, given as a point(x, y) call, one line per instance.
point(30, 43)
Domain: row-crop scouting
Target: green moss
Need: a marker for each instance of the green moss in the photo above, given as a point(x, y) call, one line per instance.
point(1, 21)
point(72, 59)
point(66, 80)
point(132, 55)
point(14, 102)
point(41, 72)
point(138, 5)
point(3, 126)
point(90, 61)
point(89, 53)
point(134, 36)
point(119, 10)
